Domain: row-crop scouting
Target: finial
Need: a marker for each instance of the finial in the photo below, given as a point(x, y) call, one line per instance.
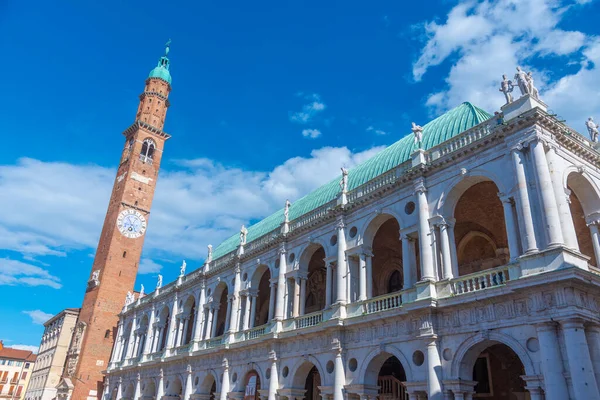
point(167, 47)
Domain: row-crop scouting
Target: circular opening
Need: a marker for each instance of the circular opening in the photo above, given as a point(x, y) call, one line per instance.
point(292, 257)
point(447, 354)
point(353, 231)
point(268, 373)
point(234, 377)
point(409, 208)
point(352, 364)
point(245, 277)
point(333, 240)
point(418, 358)
point(533, 345)
point(285, 372)
point(196, 381)
point(329, 366)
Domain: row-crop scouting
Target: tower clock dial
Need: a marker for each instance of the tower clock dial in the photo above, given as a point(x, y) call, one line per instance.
point(131, 223)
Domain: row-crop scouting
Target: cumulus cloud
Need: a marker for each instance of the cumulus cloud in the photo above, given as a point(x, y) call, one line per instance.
point(38, 316)
point(484, 40)
point(197, 202)
point(311, 133)
point(309, 110)
point(13, 272)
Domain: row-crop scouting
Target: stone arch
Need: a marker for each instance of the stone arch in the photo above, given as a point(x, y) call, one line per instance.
point(468, 351)
point(308, 251)
point(189, 312)
point(211, 378)
point(165, 320)
point(457, 187)
point(149, 388)
point(260, 284)
point(220, 297)
point(129, 391)
point(584, 204)
point(464, 241)
point(175, 386)
point(297, 376)
point(373, 223)
point(312, 264)
point(126, 334)
point(372, 362)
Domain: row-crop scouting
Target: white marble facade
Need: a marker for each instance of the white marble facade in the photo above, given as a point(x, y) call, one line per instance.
point(324, 309)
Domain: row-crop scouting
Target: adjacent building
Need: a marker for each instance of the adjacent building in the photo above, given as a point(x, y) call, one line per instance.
point(16, 367)
point(52, 355)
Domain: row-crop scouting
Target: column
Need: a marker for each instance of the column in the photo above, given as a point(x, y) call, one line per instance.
point(552, 363)
point(228, 314)
point(172, 325)
point(214, 314)
point(302, 295)
point(225, 383)
point(595, 241)
point(511, 229)
point(188, 389)
point(452, 239)
point(406, 262)
point(362, 277)
point(150, 333)
point(580, 363)
point(562, 202)
point(445, 249)
point(341, 264)
point(234, 325)
point(160, 390)
point(274, 381)
point(279, 306)
point(328, 284)
point(592, 334)
point(115, 355)
point(550, 210)
point(138, 390)
point(246, 312)
point(527, 232)
point(119, 389)
point(200, 314)
point(131, 339)
point(434, 370)
point(209, 322)
point(272, 295)
point(339, 378)
point(369, 276)
point(252, 310)
point(427, 272)
point(186, 322)
point(296, 299)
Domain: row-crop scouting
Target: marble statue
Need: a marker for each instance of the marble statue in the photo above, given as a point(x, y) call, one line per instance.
point(417, 131)
point(243, 235)
point(159, 281)
point(286, 211)
point(532, 89)
point(521, 80)
point(142, 292)
point(96, 277)
point(209, 254)
point(506, 87)
point(344, 180)
point(182, 268)
point(592, 128)
point(129, 298)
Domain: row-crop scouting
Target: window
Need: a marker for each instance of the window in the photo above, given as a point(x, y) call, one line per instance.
point(27, 365)
point(19, 390)
point(148, 147)
point(107, 334)
point(24, 375)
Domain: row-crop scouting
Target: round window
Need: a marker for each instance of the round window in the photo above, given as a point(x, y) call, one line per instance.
point(352, 364)
point(333, 240)
point(409, 208)
point(353, 231)
point(418, 358)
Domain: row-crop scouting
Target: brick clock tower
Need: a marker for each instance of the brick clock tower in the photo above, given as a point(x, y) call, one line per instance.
point(120, 247)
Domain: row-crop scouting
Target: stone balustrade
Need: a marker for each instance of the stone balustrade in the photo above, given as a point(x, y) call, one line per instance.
point(308, 320)
point(480, 280)
point(382, 303)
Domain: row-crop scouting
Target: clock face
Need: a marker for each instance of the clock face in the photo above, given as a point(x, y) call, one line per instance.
point(131, 223)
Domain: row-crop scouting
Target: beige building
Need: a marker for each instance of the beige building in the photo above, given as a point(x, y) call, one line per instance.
point(52, 355)
point(15, 372)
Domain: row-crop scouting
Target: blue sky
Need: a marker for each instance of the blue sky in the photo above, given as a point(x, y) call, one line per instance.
point(269, 100)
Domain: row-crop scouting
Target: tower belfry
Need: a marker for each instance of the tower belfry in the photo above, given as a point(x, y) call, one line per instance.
point(120, 246)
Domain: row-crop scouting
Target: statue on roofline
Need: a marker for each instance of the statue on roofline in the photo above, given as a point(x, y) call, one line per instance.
point(417, 131)
point(592, 128)
point(506, 87)
point(522, 82)
point(286, 211)
point(182, 268)
point(159, 281)
point(243, 235)
point(142, 293)
point(209, 254)
point(344, 180)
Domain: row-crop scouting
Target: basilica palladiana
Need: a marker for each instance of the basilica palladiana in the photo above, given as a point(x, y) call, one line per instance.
point(458, 263)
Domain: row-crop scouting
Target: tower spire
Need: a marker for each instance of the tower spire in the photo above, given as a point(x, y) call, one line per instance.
point(162, 69)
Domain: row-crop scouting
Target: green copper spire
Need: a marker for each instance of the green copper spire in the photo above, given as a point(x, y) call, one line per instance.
point(162, 69)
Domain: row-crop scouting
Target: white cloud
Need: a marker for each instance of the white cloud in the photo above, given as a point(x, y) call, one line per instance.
point(309, 110)
point(199, 202)
point(26, 347)
point(13, 272)
point(484, 40)
point(147, 266)
point(38, 316)
point(376, 131)
point(311, 133)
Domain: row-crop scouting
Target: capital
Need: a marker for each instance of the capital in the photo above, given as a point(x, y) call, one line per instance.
point(340, 223)
point(420, 187)
point(225, 363)
point(188, 369)
point(282, 248)
point(272, 355)
point(504, 198)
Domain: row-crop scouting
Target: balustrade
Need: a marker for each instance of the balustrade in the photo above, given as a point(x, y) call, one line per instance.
point(480, 280)
point(390, 388)
point(255, 332)
point(215, 342)
point(308, 320)
point(382, 303)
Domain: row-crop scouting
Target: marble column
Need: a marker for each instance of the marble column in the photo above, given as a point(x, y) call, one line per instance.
point(580, 363)
point(511, 228)
point(592, 335)
point(328, 284)
point(252, 310)
point(362, 277)
point(172, 328)
point(548, 200)
point(296, 299)
point(551, 362)
point(117, 351)
point(279, 306)
point(225, 383)
point(339, 377)
point(150, 333)
point(407, 265)
point(528, 238)
point(341, 264)
point(452, 239)
point(120, 389)
point(434, 370)
point(425, 238)
point(562, 201)
point(200, 321)
point(595, 241)
point(445, 250)
point(235, 303)
point(272, 295)
point(228, 321)
point(369, 260)
point(302, 295)
point(188, 388)
point(160, 390)
point(137, 392)
point(273, 381)
point(131, 339)
point(214, 315)
point(246, 312)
